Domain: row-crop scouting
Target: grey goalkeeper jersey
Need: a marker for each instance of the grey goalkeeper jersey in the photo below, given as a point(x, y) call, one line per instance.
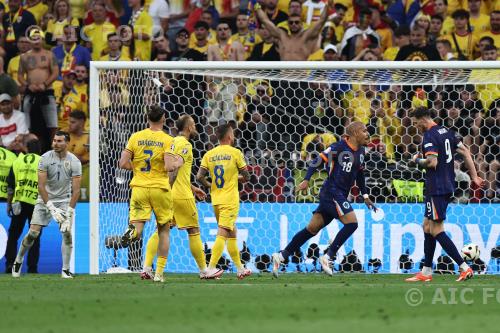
point(59, 174)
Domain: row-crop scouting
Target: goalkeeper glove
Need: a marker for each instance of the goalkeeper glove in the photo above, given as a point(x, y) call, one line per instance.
point(56, 213)
point(66, 225)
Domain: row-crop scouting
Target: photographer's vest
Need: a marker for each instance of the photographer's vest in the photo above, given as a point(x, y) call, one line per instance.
point(6, 159)
point(26, 173)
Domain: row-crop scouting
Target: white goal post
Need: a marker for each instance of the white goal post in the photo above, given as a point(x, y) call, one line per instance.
point(457, 74)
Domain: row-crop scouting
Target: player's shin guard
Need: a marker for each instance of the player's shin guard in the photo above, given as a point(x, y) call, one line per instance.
point(66, 248)
point(449, 247)
point(161, 262)
point(297, 241)
point(151, 249)
point(234, 252)
point(196, 247)
point(429, 248)
point(217, 249)
point(26, 244)
point(342, 236)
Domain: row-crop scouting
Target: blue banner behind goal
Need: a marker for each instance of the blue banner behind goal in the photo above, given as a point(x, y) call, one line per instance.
point(267, 227)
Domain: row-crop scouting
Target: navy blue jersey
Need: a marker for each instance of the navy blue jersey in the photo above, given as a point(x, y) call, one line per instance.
point(442, 143)
point(344, 165)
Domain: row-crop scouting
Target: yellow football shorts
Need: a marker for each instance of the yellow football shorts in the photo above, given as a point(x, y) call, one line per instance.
point(226, 215)
point(185, 214)
point(146, 200)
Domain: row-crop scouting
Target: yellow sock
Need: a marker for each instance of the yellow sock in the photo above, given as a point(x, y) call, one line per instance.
point(220, 243)
point(234, 252)
point(161, 262)
point(151, 249)
point(196, 248)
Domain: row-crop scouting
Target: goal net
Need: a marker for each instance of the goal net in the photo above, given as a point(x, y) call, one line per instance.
point(285, 114)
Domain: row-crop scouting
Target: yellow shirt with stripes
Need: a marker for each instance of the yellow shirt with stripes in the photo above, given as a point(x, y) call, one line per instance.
point(224, 163)
point(182, 185)
point(148, 149)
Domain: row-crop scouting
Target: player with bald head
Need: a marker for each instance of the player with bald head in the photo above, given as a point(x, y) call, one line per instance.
point(344, 161)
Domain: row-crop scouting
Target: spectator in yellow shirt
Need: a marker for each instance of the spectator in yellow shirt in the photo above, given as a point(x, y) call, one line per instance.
point(462, 40)
point(479, 22)
point(494, 31)
point(142, 23)
point(37, 8)
point(24, 45)
point(114, 49)
point(441, 9)
point(62, 17)
point(489, 53)
point(401, 38)
point(79, 146)
point(314, 143)
point(201, 29)
point(207, 17)
point(95, 35)
point(68, 99)
point(246, 37)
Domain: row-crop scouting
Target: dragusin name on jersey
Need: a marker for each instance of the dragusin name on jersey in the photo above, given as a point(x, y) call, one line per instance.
point(150, 143)
point(218, 158)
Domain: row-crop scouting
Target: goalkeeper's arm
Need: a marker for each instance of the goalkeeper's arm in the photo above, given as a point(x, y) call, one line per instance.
point(42, 182)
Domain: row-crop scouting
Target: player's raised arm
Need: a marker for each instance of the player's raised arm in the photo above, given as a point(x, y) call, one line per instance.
point(469, 164)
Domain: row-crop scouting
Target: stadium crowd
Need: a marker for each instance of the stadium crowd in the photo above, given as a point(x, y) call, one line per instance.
point(46, 47)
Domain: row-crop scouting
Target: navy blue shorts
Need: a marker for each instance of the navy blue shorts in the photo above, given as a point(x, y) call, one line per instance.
point(333, 208)
point(436, 205)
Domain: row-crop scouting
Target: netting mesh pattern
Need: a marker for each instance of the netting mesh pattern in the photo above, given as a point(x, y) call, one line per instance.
point(283, 118)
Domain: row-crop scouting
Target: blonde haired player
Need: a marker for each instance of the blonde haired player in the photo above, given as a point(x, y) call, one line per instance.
point(185, 212)
point(224, 163)
point(149, 154)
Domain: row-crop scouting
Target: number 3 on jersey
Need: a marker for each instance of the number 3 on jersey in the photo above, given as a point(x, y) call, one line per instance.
point(219, 176)
point(148, 160)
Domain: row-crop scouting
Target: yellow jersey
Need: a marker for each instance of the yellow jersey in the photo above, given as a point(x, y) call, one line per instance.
point(38, 11)
point(182, 185)
point(143, 25)
point(68, 103)
point(56, 28)
point(148, 149)
point(496, 37)
point(79, 145)
point(13, 67)
point(467, 44)
point(212, 38)
point(224, 163)
point(97, 34)
point(480, 24)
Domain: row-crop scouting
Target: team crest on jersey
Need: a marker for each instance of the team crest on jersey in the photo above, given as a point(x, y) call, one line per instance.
point(346, 205)
point(172, 147)
point(67, 165)
point(184, 151)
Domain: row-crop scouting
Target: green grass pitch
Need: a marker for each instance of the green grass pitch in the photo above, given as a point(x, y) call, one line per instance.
point(292, 303)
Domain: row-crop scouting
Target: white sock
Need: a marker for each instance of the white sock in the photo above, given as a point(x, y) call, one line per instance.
point(426, 270)
point(282, 259)
point(463, 267)
point(327, 257)
point(66, 248)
